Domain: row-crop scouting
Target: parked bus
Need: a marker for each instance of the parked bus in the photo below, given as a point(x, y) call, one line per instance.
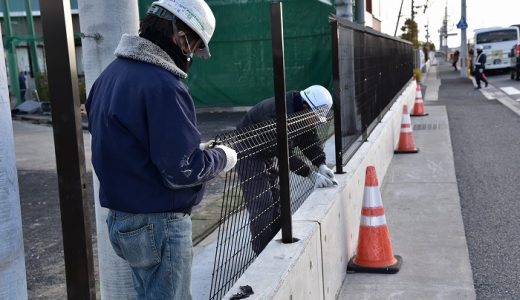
point(497, 43)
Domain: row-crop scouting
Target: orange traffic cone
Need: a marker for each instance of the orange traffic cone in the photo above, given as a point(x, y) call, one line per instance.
point(418, 108)
point(406, 141)
point(374, 251)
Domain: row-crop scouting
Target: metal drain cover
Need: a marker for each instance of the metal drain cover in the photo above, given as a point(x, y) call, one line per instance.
point(434, 126)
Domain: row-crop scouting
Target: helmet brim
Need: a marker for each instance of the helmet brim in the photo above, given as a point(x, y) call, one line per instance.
point(203, 53)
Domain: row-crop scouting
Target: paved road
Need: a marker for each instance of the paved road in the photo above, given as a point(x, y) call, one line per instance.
point(505, 85)
point(485, 136)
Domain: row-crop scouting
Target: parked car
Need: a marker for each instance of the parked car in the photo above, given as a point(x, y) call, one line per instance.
point(515, 62)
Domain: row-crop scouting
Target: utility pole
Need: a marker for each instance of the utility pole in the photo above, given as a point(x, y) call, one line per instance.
point(344, 9)
point(11, 54)
point(102, 25)
point(13, 283)
point(360, 12)
point(398, 18)
point(463, 40)
point(413, 10)
point(445, 30)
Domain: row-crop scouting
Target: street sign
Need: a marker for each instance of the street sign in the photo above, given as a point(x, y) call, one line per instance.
point(462, 23)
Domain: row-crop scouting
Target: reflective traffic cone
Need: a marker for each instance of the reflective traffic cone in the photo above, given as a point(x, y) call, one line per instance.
point(418, 107)
point(374, 250)
point(406, 141)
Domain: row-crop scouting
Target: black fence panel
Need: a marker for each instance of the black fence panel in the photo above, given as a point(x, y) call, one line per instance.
point(250, 215)
point(369, 71)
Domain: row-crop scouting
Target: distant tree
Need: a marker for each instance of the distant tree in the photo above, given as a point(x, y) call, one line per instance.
point(410, 32)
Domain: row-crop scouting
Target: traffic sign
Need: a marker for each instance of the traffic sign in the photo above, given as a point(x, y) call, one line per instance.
point(462, 23)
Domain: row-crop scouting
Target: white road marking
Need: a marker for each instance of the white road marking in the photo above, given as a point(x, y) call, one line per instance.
point(510, 90)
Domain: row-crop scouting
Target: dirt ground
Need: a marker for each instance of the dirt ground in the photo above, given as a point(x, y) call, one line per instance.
point(39, 199)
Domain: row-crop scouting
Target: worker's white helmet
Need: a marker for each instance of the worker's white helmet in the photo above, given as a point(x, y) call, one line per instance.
point(318, 98)
point(479, 47)
point(197, 15)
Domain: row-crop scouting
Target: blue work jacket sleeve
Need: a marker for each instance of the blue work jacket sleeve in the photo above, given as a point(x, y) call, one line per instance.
point(174, 140)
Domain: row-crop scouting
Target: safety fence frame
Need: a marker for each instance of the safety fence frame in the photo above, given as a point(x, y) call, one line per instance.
point(251, 211)
point(369, 71)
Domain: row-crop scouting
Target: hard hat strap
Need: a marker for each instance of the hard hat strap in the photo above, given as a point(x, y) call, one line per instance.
point(309, 101)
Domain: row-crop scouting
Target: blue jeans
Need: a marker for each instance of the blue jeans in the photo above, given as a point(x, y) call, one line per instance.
point(158, 248)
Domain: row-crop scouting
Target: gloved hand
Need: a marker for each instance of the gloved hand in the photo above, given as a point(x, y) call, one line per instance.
point(325, 171)
point(231, 157)
point(207, 145)
point(321, 181)
point(481, 70)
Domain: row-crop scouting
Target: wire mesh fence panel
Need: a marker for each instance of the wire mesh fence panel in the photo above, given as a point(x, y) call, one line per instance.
point(250, 215)
point(372, 69)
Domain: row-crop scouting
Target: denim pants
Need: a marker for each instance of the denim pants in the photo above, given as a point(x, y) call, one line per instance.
point(158, 248)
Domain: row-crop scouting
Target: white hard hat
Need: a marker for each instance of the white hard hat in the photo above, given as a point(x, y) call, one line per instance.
point(479, 47)
point(318, 98)
point(197, 15)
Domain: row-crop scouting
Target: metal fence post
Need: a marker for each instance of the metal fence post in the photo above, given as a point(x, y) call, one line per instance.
point(336, 94)
point(68, 140)
point(281, 120)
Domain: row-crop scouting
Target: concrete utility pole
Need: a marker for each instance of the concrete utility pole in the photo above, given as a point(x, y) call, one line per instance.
point(463, 42)
point(445, 31)
point(360, 12)
point(344, 9)
point(102, 24)
point(398, 18)
point(13, 283)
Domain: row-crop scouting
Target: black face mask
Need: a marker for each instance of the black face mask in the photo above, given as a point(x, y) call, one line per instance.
point(182, 61)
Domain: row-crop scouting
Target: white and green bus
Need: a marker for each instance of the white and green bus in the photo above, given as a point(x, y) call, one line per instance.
point(497, 43)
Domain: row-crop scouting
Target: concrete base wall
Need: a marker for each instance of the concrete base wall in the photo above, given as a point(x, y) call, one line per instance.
point(326, 225)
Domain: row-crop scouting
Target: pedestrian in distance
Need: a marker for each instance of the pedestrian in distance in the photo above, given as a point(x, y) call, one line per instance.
point(146, 148)
point(455, 59)
point(480, 67)
point(258, 172)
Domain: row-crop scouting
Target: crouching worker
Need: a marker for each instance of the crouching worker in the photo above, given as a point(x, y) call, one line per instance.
point(258, 171)
point(146, 146)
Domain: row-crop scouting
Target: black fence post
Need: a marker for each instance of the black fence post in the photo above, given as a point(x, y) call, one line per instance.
point(281, 120)
point(336, 94)
point(68, 141)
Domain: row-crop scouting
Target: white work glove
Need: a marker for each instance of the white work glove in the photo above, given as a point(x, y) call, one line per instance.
point(231, 157)
point(207, 145)
point(480, 70)
point(325, 171)
point(321, 181)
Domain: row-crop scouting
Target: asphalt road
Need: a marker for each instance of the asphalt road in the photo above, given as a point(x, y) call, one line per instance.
point(485, 136)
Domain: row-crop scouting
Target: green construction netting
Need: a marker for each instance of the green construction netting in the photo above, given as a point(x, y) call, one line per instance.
point(240, 71)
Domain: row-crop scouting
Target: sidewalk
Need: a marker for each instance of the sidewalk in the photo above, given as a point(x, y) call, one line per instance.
point(423, 211)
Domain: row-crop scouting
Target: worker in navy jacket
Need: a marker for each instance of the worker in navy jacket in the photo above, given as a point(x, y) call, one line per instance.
point(146, 148)
point(257, 166)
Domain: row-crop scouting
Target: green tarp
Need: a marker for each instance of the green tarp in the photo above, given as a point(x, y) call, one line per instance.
point(240, 71)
